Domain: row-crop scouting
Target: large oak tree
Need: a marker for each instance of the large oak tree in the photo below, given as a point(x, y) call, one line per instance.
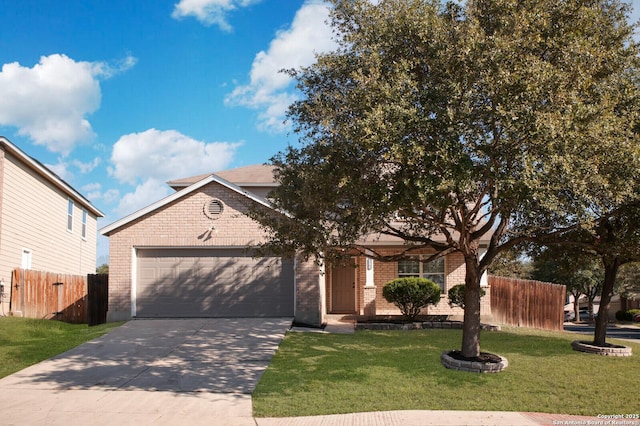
point(449, 125)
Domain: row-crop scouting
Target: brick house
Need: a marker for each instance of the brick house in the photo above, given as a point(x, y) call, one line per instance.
point(189, 255)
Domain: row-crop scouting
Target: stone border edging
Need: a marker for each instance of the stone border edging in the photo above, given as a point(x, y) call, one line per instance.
point(419, 325)
point(582, 346)
point(473, 366)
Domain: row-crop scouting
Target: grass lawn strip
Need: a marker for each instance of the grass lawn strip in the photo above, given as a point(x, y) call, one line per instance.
point(24, 341)
point(316, 374)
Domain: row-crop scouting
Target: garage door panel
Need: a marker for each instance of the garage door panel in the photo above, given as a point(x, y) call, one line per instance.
point(212, 283)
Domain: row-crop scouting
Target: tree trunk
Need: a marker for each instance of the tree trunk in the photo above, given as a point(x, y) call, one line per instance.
point(471, 325)
point(576, 306)
point(610, 271)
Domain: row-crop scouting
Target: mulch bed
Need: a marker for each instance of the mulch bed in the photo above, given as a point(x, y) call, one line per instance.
point(485, 357)
point(398, 319)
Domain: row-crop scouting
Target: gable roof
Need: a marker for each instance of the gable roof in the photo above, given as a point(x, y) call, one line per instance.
point(48, 175)
point(178, 195)
point(254, 175)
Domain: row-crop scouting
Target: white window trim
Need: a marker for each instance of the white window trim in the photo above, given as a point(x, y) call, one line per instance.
point(27, 255)
point(421, 260)
point(70, 206)
point(85, 220)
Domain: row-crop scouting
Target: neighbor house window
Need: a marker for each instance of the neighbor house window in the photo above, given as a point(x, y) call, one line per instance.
point(433, 270)
point(84, 223)
point(70, 216)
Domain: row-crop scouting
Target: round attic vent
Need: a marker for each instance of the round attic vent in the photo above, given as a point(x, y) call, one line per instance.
point(213, 209)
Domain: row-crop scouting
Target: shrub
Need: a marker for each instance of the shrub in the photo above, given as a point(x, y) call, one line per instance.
point(627, 315)
point(456, 295)
point(631, 313)
point(411, 294)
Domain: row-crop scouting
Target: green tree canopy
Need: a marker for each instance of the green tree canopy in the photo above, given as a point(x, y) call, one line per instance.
point(613, 239)
point(454, 126)
point(511, 263)
point(581, 272)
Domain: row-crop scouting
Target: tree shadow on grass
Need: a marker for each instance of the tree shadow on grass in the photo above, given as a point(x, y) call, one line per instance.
point(401, 370)
point(342, 359)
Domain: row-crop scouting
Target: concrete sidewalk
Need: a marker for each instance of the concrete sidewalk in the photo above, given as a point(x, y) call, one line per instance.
point(124, 408)
point(431, 418)
point(96, 407)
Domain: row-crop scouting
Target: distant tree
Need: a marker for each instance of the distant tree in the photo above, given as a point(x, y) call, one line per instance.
point(511, 263)
point(628, 280)
point(449, 126)
point(614, 239)
point(456, 295)
point(580, 272)
point(103, 269)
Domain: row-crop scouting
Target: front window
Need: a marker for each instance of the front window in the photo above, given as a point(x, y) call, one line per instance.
point(433, 270)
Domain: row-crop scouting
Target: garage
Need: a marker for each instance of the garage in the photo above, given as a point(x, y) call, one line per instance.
point(191, 283)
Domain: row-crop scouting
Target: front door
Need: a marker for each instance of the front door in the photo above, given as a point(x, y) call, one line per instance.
point(343, 290)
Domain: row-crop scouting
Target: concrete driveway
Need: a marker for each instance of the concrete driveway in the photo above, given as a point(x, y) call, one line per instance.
point(190, 371)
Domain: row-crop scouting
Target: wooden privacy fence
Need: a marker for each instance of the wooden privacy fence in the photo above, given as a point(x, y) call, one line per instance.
point(527, 303)
point(97, 298)
point(75, 299)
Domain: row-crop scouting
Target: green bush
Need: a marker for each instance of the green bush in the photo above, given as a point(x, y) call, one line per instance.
point(627, 315)
point(411, 294)
point(456, 295)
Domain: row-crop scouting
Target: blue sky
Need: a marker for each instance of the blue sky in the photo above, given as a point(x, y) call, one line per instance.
point(119, 96)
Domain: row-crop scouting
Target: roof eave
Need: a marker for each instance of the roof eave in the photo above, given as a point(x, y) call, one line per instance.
point(107, 230)
point(49, 175)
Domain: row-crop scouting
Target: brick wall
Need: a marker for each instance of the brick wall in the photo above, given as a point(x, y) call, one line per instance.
point(183, 223)
point(309, 299)
point(387, 271)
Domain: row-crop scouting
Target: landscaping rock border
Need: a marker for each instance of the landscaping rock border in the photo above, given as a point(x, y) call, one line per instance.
point(418, 325)
point(582, 346)
point(473, 366)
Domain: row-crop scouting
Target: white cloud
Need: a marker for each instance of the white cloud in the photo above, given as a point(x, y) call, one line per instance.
point(165, 155)
point(210, 12)
point(270, 90)
point(86, 167)
point(150, 158)
point(111, 196)
point(147, 193)
point(49, 103)
point(95, 186)
point(61, 169)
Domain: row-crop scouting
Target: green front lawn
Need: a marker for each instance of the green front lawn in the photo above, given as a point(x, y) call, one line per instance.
point(24, 342)
point(315, 374)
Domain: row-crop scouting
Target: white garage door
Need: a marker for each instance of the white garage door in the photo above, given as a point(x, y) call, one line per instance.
point(179, 283)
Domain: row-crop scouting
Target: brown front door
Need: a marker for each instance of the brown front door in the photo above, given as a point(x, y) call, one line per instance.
point(343, 290)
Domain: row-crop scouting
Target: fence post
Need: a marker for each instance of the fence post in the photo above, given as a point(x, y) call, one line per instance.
point(97, 298)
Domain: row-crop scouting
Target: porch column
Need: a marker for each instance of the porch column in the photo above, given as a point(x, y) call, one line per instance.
point(485, 302)
point(369, 289)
